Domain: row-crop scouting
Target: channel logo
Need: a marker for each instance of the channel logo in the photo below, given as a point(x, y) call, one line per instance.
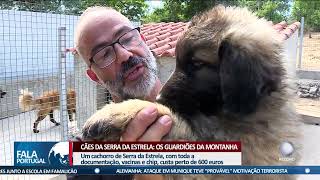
point(41, 154)
point(286, 151)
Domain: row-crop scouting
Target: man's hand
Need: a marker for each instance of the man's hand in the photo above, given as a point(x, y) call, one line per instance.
point(146, 127)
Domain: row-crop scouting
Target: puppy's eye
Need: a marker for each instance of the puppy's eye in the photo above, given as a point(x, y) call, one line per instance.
point(194, 65)
point(197, 64)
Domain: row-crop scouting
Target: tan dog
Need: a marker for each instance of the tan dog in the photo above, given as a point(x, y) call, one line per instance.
point(46, 104)
point(229, 85)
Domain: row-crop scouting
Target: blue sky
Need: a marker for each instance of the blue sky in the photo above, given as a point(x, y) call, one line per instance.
point(154, 4)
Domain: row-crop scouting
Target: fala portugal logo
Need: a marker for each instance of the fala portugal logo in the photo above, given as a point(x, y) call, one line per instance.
point(41, 153)
point(59, 154)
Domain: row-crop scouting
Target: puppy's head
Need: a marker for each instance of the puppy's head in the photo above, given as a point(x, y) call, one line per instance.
point(2, 93)
point(226, 62)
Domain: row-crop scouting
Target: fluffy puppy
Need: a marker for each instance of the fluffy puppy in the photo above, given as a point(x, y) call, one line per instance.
point(229, 85)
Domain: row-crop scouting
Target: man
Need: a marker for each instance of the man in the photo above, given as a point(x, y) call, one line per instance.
point(119, 59)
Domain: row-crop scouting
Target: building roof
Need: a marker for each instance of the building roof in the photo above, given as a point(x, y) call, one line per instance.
point(162, 37)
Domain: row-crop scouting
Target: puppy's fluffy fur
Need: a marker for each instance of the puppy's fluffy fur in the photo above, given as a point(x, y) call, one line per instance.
point(229, 85)
point(46, 104)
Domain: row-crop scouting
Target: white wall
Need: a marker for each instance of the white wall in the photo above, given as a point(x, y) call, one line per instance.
point(29, 40)
point(290, 54)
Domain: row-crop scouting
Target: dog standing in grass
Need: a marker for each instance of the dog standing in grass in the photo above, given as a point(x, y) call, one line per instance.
point(46, 104)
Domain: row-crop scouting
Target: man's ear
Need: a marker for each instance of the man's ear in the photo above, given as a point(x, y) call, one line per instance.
point(92, 76)
point(241, 77)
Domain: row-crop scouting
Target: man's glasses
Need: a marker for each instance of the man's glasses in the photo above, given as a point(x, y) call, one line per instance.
point(106, 55)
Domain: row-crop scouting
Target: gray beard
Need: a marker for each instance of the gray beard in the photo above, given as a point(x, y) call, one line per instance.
point(143, 86)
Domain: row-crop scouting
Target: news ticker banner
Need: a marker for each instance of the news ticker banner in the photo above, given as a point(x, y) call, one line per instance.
point(126, 153)
point(156, 153)
point(137, 158)
point(124, 170)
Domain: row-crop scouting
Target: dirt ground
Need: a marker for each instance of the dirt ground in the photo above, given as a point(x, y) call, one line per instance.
point(311, 52)
point(306, 106)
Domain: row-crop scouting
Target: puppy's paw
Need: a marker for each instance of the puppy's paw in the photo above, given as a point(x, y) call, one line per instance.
point(109, 123)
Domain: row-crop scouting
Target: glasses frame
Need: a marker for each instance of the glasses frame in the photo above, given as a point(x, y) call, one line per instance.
point(112, 45)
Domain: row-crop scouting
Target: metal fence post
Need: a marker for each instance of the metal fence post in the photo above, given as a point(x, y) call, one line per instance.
point(62, 79)
point(301, 42)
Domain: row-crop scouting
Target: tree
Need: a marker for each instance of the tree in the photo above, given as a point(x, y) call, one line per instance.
point(32, 5)
point(172, 11)
point(133, 9)
point(181, 10)
point(272, 10)
point(184, 10)
point(194, 7)
point(310, 10)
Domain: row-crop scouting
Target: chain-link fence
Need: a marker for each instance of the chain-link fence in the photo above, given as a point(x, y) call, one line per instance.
point(49, 83)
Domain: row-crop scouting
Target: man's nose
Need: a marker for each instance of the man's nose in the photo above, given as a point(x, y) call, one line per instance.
point(121, 53)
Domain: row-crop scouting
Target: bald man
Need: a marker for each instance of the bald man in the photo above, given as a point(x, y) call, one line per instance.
point(119, 59)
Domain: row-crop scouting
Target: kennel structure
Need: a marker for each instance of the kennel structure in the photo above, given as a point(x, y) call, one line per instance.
point(33, 55)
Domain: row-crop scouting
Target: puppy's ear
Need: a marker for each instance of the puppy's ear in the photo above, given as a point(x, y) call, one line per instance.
point(241, 77)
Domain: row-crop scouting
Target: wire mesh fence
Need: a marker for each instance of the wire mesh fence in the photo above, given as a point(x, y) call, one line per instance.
point(33, 73)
